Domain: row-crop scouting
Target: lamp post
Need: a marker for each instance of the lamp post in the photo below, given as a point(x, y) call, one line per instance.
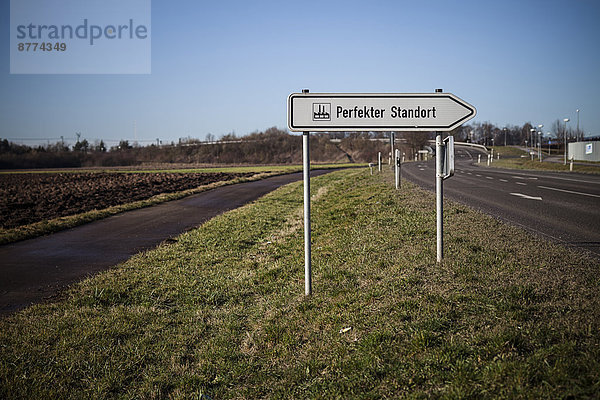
point(532, 137)
point(540, 146)
point(504, 129)
point(539, 141)
point(566, 120)
point(549, 140)
point(577, 133)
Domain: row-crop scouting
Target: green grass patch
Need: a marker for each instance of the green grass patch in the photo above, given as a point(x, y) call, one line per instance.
point(221, 311)
point(11, 235)
point(528, 164)
point(508, 151)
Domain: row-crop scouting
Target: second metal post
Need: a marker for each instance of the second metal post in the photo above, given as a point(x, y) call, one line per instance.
point(439, 204)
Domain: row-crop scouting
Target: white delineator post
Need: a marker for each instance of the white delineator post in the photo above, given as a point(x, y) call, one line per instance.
point(306, 176)
point(379, 161)
point(571, 165)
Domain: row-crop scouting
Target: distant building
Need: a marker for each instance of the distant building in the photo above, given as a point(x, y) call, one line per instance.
point(584, 151)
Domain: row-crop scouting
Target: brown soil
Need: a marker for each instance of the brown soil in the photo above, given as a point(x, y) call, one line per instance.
point(28, 198)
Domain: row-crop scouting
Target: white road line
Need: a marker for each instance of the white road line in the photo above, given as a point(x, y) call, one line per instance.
point(478, 175)
point(488, 177)
point(521, 183)
point(573, 180)
point(569, 191)
point(503, 180)
point(524, 196)
point(469, 173)
point(524, 176)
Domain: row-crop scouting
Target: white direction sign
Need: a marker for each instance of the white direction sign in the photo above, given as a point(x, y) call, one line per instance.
point(323, 112)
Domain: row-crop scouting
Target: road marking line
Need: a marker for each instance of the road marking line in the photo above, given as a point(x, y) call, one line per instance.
point(488, 177)
point(469, 173)
point(521, 183)
point(503, 180)
point(478, 175)
point(569, 191)
point(526, 197)
point(574, 180)
point(524, 177)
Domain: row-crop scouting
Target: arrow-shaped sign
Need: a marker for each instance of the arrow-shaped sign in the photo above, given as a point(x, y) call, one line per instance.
point(524, 196)
point(377, 112)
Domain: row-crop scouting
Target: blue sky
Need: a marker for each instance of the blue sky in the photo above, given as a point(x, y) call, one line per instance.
point(228, 66)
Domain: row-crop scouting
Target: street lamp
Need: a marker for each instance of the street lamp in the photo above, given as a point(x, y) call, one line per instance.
point(577, 134)
point(504, 129)
point(566, 120)
point(540, 126)
point(531, 136)
point(540, 145)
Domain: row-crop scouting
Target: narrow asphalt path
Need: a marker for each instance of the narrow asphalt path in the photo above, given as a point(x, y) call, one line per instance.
point(37, 269)
point(563, 207)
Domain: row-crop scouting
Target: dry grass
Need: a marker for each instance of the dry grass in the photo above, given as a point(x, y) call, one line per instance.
point(221, 312)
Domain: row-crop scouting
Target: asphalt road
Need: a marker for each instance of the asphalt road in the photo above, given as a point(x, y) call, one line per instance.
point(37, 269)
point(564, 207)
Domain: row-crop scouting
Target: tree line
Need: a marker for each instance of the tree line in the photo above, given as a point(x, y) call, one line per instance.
point(272, 146)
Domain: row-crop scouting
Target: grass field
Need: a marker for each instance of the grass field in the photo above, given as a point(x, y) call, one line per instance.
point(528, 164)
point(221, 311)
point(187, 168)
point(510, 157)
point(508, 151)
point(10, 235)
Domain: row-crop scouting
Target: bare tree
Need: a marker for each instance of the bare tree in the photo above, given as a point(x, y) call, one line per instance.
point(558, 129)
point(415, 140)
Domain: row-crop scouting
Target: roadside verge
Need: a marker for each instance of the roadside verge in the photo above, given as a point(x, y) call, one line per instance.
point(220, 310)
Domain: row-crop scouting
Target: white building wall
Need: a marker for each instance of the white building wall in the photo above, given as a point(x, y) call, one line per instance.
point(584, 151)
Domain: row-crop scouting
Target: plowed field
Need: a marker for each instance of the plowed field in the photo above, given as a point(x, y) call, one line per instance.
point(28, 198)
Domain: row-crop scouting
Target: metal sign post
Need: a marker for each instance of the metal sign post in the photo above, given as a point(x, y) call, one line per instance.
point(331, 112)
point(397, 168)
point(392, 153)
point(444, 169)
point(439, 193)
point(307, 241)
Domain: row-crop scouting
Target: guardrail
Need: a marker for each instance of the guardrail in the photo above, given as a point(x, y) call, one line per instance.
point(475, 145)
